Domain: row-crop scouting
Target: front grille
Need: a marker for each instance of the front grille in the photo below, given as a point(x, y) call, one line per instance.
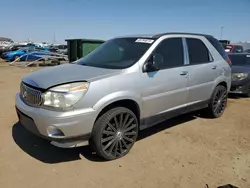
point(31, 96)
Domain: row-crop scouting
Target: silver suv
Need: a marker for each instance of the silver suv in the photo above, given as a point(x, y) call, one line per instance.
point(125, 85)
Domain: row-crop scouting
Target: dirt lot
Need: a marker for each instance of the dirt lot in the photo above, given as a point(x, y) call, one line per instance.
point(187, 152)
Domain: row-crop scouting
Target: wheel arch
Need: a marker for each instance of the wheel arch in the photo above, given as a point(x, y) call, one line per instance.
point(127, 103)
point(221, 82)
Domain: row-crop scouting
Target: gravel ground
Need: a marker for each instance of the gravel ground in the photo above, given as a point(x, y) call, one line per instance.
point(186, 152)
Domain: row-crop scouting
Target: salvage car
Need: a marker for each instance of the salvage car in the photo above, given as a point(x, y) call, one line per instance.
point(240, 73)
point(231, 48)
point(24, 54)
point(10, 48)
point(125, 85)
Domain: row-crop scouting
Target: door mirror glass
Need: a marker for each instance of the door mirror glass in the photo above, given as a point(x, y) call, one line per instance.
point(154, 63)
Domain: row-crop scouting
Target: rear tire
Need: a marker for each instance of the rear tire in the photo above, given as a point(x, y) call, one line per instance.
point(114, 133)
point(248, 94)
point(218, 102)
point(16, 57)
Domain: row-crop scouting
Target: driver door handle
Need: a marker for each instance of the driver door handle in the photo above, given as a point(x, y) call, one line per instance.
point(183, 73)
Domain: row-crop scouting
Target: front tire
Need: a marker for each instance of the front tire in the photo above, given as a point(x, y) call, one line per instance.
point(114, 133)
point(218, 102)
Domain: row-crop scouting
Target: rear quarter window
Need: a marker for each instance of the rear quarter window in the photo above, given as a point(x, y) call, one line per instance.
point(218, 46)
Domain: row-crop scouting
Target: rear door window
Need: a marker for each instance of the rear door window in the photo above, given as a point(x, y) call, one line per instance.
point(197, 51)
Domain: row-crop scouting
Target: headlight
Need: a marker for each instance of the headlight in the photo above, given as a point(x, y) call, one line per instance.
point(66, 95)
point(239, 76)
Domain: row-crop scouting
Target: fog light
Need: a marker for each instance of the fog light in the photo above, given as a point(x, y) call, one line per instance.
point(239, 88)
point(54, 132)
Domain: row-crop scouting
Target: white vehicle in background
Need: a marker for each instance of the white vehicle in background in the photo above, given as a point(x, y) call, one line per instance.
point(5, 44)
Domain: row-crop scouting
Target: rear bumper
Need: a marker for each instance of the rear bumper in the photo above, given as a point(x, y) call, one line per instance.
point(240, 86)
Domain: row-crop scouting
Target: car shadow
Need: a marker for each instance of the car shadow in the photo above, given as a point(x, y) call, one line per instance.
point(166, 125)
point(43, 151)
point(235, 96)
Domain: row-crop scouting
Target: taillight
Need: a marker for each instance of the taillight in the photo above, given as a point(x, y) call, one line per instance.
point(228, 60)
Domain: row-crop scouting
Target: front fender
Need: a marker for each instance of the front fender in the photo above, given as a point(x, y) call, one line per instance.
point(117, 96)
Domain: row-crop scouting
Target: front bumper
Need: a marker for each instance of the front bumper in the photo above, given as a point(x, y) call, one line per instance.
point(75, 126)
point(240, 86)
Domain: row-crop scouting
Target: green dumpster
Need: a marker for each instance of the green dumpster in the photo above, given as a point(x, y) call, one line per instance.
point(78, 48)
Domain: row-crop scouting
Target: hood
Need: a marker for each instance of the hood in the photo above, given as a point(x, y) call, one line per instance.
point(48, 77)
point(240, 69)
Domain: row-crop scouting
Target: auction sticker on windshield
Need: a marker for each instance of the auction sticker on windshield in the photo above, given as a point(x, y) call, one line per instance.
point(149, 41)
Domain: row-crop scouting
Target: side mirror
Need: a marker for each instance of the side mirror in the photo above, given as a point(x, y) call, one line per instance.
point(153, 64)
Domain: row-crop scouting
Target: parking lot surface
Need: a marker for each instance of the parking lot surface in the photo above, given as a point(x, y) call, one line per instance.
point(190, 151)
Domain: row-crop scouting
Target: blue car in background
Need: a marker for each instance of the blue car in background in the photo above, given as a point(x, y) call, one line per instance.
point(27, 54)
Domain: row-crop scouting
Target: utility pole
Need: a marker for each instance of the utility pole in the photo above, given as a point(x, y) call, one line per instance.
point(221, 32)
point(54, 41)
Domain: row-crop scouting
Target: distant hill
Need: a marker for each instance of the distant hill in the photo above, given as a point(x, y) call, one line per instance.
point(5, 39)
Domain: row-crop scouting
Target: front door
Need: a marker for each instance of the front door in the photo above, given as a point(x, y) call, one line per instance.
point(166, 89)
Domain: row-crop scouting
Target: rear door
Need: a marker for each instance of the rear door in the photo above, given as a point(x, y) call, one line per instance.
point(202, 70)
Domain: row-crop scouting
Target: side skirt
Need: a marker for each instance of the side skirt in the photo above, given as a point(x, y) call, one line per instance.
point(153, 120)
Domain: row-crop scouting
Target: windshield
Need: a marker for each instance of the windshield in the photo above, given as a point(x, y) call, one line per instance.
point(117, 53)
point(240, 59)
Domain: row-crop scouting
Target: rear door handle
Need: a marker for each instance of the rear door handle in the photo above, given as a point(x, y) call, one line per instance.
point(214, 67)
point(183, 73)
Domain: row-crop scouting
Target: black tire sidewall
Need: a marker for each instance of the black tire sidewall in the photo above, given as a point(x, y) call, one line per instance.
point(212, 101)
point(248, 94)
point(99, 127)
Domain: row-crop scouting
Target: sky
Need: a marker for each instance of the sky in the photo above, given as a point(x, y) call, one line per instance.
point(46, 20)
